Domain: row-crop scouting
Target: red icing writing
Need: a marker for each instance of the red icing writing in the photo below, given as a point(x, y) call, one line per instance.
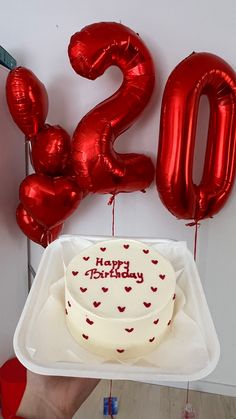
point(116, 264)
point(96, 274)
point(140, 281)
point(119, 269)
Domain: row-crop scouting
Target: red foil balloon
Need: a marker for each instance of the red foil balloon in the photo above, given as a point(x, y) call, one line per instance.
point(51, 150)
point(99, 168)
point(35, 231)
point(49, 200)
point(27, 100)
point(199, 74)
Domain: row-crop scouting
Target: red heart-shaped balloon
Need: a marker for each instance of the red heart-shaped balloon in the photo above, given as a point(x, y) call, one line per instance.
point(50, 150)
point(27, 100)
point(49, 200)
point(35, 231)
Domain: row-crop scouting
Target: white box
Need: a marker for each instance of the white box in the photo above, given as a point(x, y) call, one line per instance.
point(43, 344)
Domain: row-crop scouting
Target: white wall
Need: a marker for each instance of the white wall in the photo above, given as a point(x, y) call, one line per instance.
point(38, 33)
point(13, 254)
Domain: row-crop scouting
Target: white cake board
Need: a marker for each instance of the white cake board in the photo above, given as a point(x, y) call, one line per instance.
point(43, 344)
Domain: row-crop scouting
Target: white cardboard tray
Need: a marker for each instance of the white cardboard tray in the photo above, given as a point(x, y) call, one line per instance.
point(193, 361)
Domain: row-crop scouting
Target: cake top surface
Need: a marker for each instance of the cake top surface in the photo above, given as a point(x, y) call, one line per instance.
point(120, 278)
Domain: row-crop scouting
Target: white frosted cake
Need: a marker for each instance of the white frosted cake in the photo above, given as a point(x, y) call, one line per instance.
point(119, 298)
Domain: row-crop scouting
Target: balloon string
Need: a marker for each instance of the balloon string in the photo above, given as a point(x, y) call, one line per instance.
point(27, 151)
point(113, 218)
point(195, 240)
point(187, 395)
point(195, 257)
point(110, 401)
point(111, 201)
point(49, 237)
point(195, 224)
point(113, 234)
point(27, 145)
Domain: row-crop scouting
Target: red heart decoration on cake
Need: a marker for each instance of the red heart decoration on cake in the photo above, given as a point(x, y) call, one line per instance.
point(140, 281)
point(162, 276)
point(86, 258)
point(146, 251)
point(89, 321)
point(154, 289)
point(147, 305)
point(103, 249)
point(75, 273)
point(96, 304)
point(128, 289)
point(156, 321)
point(85, 336)
point(49, 200)
point(83, 289)
point(104, 289)
point(121, 309)
point(129, 330)
point(152, 339)
point(120, 351)
point(126, 246)
point(155, 262)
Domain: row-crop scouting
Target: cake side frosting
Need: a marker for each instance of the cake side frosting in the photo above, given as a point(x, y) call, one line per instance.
point(119, 298)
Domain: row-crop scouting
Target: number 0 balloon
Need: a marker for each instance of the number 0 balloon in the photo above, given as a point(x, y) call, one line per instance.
point(98, 166)
point(199, 74)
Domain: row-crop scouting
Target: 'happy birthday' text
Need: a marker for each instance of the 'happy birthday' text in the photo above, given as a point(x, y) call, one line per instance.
point(118, 269)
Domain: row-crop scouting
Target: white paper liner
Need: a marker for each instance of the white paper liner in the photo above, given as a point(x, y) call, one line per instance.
point(188, 351)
